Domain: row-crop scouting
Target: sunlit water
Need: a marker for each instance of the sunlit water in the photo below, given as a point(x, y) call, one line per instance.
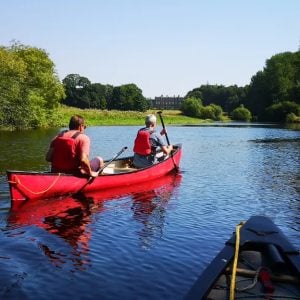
point(151, 243)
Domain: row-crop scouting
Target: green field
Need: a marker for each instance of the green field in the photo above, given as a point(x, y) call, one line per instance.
point(113, 117)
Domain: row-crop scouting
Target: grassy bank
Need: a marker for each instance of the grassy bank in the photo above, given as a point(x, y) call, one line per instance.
point(109, 118)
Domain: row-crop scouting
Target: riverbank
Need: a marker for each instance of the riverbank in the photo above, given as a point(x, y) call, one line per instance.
point(96, 117)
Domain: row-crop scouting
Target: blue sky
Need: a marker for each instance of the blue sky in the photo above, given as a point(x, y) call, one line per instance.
point(165, 47)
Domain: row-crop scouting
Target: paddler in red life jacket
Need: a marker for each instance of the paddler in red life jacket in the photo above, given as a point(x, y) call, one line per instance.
point(146, 143)
point(69, 151)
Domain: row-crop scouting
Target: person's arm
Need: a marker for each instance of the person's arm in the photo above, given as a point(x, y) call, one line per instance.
point(86, 166)
point(163, 131)
point(167, 149)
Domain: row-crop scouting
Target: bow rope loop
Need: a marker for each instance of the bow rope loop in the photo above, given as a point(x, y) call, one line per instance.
point(18, 182)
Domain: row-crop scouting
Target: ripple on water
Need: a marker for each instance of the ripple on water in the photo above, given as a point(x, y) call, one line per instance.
point(152, 245)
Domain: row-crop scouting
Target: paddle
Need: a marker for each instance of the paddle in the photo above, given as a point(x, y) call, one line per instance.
point(163, 125)
point(167, 138)
point(91, 179)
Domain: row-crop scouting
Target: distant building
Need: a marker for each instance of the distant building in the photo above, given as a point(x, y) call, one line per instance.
point(166, 102)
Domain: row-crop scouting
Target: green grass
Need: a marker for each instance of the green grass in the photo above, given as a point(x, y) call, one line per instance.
point(95, 117)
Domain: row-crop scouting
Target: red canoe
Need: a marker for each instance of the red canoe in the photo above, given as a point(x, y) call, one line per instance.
point(44, 185)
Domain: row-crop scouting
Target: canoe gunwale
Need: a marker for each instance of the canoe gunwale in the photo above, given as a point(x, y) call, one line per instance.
point(43, 173)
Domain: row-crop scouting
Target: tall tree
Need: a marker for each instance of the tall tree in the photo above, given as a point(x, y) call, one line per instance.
point(227, 97)
point(128, 97)
point(13, 92)
point(278, 82)
point(40, 90)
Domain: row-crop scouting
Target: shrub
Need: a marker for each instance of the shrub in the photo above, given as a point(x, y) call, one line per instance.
point(278, 112)
point(212, 111)
point(191, 107)
point(241, 114)
point(292, 118)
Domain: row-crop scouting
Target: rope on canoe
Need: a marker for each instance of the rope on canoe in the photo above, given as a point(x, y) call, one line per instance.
point(254, 282)
point(235, 261)
point(18, 182)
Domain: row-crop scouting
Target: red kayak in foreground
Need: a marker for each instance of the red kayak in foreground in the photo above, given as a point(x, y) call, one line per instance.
point(26, 186)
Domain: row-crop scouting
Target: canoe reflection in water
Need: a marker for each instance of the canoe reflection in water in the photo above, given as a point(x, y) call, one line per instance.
point(149, 209)
point(69, 218)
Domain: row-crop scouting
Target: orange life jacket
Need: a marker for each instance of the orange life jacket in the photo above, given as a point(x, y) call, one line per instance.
point(64, 157)
point(142, 145)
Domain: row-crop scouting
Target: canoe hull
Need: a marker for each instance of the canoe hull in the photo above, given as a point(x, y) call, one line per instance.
point(262, 247)
point(43, 185)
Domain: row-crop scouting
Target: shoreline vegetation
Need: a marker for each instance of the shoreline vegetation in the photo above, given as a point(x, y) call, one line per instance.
point(96, 117)
point(33, 96)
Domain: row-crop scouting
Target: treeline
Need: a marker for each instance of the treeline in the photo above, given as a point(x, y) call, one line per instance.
point(80, 92)
point(30, 92)
point(272, 95)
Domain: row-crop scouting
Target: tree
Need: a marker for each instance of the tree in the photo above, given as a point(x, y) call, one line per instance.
point(241, 114)
point(191, 107)
point(77, 91)
point(278, 82)
point(225, 97)
point(84, 94)
point(12, 89)
point(42, 79)
point(128, 97)
point(33, 89)
point(212, 111)
point(278, 112)
point(195, 93)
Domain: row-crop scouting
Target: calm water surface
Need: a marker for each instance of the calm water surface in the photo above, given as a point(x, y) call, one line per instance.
point(150, 242)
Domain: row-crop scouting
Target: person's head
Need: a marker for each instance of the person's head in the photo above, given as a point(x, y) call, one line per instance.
point(150, 121)
point(77, 123)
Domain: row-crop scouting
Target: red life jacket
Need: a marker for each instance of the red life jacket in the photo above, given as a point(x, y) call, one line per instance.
point(142, 145)
point(64, 157)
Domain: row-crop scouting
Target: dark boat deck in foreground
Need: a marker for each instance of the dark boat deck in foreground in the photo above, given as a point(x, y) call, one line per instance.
point(257, 262)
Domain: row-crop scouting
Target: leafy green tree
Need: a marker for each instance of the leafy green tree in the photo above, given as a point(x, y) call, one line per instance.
point(42, 79)
point(241, 113)
point(97, 94)
point(212, 111)
point(292, 118)
point(195, 93)
point(225, 97)
point(278, 112)
point(278, 82)
point(191, 106)
point(84, 94)
point(128, 97)
point(217, 111)
point(12, 89)
point(31, 86)
point(77, 91)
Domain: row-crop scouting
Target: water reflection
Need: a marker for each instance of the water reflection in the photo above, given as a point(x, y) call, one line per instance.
point(69, 218)
point(30, 144)
point(66, 218)
point(149, 209)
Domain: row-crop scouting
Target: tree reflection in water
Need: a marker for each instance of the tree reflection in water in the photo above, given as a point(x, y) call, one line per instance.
point(69, 217)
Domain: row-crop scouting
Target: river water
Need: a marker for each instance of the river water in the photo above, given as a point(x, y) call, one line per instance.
point(152, 241)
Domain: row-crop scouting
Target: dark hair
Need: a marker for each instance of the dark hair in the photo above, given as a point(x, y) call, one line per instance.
point(75, 122)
